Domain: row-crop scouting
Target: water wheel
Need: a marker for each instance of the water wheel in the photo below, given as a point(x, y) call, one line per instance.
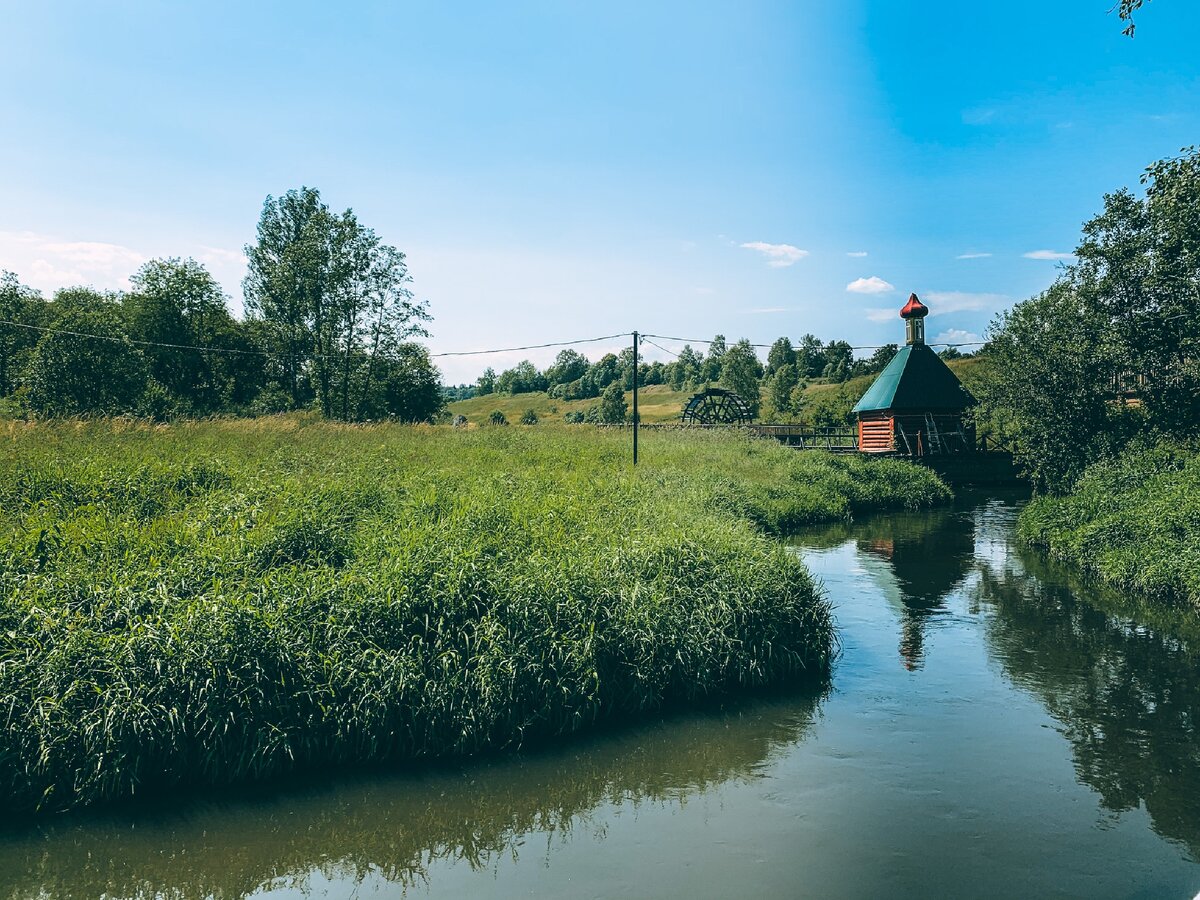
point(716, 406)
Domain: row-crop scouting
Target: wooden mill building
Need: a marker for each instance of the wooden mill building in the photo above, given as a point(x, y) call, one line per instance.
point(916, 405)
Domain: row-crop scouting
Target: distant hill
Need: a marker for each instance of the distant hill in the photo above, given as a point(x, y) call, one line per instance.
point(828, 402)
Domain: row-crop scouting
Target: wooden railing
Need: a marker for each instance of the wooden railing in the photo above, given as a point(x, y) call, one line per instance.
point(811, 437)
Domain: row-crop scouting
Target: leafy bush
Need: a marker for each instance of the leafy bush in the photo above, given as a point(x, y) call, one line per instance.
point(529, 417)
point(497, 418)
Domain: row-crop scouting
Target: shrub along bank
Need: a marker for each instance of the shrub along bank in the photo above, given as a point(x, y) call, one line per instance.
point(222, 601)
point(1133, 522)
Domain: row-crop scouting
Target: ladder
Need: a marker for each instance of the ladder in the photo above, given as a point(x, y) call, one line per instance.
point(936, 445)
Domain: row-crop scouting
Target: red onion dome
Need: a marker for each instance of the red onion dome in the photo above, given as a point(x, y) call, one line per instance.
point(914, 308)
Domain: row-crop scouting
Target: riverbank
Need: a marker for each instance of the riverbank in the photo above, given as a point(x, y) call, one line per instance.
point(1131, 522)
point(219, 602)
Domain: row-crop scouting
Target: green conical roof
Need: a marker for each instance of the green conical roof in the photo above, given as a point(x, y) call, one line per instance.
point(914, 381)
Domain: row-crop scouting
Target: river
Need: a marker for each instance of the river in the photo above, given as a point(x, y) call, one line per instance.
point(994, 727)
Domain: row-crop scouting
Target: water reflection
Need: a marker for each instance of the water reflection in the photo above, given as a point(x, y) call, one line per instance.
point(1123, 681)
point(915, 559)
point(1122, 678)
point(395, 827)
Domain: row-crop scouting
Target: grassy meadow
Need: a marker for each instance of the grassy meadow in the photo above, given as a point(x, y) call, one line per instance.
point(1133, 522)
point(213, 602)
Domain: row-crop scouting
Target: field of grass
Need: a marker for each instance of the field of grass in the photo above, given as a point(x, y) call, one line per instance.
point(211, 602)
point(1133, 522)
point(656, 403)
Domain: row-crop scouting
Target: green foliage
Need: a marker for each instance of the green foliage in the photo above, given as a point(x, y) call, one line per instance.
point(529, 417)
point(402, 384)
point(524, 378)
point(740, 372)
point(333, 301)
point(497, 418)
point(19, 305)
point(178, 302)
point(1131, 521)
point(574, 417)
point(1123, 317)
point(781, 354)
point(218, 602)
point(613, 408)
point(71, 375)
point(780, 388)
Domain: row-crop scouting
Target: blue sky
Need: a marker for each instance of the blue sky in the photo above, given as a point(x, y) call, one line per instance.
point(562, 170)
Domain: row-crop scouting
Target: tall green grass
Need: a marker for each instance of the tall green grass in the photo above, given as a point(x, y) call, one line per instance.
point(214, 602)
point(1133, 522)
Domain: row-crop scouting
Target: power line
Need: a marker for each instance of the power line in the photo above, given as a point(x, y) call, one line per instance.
point(109, 337)
point(659, 346)
point(664, 337)
point(607, 337)
point(456, 353)
point(122, 339)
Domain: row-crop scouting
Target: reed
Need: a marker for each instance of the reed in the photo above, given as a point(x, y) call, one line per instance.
point(214, 602)
point(1131, 521)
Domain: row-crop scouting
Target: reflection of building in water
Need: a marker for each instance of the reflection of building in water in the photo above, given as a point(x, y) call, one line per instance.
point(928, 554)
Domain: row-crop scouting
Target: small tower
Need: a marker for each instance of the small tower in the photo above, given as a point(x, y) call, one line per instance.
point(913, 314)
point(916, 404)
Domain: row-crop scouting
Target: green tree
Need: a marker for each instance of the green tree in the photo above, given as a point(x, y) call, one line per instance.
point(710, 368)
point(529, 417)
point(524, 378)
point(612, 404)
point(740, 372)
point(839, 361)
point(178, 302)
point(486, 382)
point(101, 374)
point(570, 365)
point(1125, 315)
point(404, 385)
point(879, 360)
point(780, 354)
point(332, 297)
point(286, 281)
point(810, 357)
point(782, 384)
point(497, 418)
point(24, 307)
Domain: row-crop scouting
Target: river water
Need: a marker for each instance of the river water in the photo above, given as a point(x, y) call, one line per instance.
point(993, 728)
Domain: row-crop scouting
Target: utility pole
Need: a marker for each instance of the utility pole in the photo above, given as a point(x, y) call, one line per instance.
point(635, 393)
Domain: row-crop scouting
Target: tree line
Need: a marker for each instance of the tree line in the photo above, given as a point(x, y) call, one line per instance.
point(329, 324)
point(783, 378)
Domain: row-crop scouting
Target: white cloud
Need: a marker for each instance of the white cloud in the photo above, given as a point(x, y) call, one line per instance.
point(857, 254)
point(973, 256)
point(941, 302)
point(48, 263)
point(1047, 254)
point(956, 336)
point(872, 285)
point(778, 255)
